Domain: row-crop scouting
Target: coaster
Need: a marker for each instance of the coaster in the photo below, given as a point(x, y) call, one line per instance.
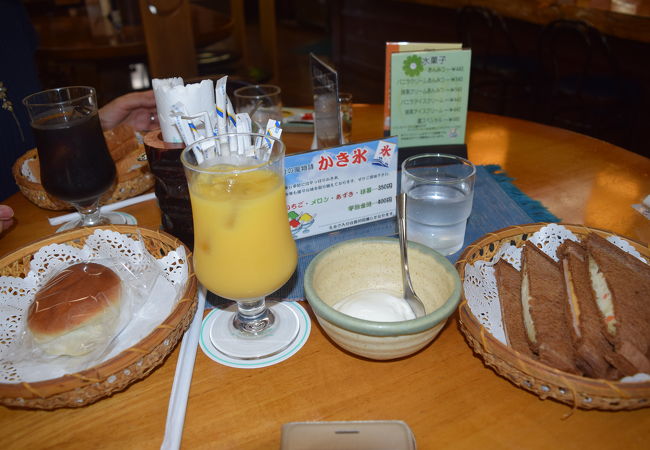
point(286, 309)
point(229, 342)
point(123, 219)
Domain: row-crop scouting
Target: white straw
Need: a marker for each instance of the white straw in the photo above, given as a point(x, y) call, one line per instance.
point(182, 380)
point(112, 207)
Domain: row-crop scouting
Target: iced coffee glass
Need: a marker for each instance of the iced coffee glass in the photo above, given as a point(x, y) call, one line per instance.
point(75, 165)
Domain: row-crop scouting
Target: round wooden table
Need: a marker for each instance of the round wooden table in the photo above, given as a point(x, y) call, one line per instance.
point(444, 393)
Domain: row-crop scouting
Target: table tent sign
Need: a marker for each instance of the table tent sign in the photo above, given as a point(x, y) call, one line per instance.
point(340, 187)
point(426, 97)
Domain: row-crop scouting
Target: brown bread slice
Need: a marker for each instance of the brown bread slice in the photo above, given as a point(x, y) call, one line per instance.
point(120, 141)
point(543, 292)
point(509, 286)
point(628, 281)
point(587, 325)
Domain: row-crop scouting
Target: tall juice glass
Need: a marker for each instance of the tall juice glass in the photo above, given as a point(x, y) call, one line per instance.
point(243, 248)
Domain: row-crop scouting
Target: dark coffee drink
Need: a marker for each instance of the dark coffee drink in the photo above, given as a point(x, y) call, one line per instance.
point(75, 163)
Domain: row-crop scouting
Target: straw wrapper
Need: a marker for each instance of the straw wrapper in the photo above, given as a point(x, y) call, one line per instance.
point(183, 379)
point(193, 99)
point(195, 112)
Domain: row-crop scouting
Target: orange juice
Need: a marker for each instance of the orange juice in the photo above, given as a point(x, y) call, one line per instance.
point(242, 243)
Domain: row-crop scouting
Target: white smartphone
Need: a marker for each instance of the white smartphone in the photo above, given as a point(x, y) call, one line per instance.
point(359, 435)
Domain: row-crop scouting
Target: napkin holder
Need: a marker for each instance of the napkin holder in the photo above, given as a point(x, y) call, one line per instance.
point(449, 149)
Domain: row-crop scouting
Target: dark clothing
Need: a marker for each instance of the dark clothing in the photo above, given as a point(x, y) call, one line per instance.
point(19, 76)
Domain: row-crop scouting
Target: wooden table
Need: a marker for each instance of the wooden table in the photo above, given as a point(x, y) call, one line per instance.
point(445, 394)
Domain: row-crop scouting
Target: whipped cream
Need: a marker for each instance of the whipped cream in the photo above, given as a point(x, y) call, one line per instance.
point(377, 305)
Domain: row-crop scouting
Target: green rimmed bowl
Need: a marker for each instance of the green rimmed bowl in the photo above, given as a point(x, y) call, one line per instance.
point(374, 263)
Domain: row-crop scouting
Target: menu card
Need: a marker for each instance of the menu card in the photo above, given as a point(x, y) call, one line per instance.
point(427, 89)
point(341, 187)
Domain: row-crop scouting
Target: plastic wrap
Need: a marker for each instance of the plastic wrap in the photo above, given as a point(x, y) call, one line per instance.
point(149, 290)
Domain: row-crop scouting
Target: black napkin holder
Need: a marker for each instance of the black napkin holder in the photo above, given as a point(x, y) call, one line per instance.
point(450, 149)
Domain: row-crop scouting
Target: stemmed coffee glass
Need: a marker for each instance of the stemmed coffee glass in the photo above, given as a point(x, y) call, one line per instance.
point(243, 248)
point(74, 160)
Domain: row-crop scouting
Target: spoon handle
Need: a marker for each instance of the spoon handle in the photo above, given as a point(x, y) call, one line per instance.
point(409, 293)
point(403, 241)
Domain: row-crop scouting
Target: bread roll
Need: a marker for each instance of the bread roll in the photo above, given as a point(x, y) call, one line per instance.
point(76, 310)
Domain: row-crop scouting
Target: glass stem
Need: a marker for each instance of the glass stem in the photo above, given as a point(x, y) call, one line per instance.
point(253, 317)
point(90, 215)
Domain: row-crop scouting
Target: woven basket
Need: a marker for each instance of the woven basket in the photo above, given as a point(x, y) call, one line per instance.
point(544, 381)
point(128, 185)
point(88, 386)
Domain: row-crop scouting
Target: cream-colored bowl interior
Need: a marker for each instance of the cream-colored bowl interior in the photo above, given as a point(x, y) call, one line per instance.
point(374, 263)
point(366, 264)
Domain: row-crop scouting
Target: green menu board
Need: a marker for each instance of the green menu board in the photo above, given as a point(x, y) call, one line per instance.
point(428, 97)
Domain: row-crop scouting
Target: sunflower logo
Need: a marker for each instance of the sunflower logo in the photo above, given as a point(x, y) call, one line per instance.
point(413, 66)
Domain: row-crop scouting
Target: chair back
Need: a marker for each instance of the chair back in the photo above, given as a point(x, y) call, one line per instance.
point(169, 37)
point(572, 50)
point(485, 32)
point(174, 29)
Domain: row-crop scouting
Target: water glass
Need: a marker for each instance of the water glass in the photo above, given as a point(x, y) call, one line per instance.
point(261, 101)
point(440, 190)
point(345, 105)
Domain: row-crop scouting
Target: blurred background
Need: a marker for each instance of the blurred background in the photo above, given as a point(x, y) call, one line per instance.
point(577, 64)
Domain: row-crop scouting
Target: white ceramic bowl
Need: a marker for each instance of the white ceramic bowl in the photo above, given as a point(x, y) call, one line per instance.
point(374, 263)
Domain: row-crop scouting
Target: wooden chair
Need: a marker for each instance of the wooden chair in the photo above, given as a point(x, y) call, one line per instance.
point(584, 89)
point(498, 73)
point(174, 29)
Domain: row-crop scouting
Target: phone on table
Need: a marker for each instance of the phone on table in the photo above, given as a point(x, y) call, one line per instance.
point(358, 435)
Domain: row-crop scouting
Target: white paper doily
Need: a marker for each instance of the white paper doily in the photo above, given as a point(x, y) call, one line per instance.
point(480, 283)
point(16, 295)
point(26, 171)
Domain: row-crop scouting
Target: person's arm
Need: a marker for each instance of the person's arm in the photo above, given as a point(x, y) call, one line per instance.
point(138, 109)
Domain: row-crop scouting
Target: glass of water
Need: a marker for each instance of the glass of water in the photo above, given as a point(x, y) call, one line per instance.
point(261, 101)
point(439, 190)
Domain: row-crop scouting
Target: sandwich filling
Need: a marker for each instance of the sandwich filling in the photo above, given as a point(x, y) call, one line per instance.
point(525, 300)
point(574, 307)
point(603, 296)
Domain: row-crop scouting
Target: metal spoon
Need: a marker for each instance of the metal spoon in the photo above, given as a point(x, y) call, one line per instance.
point(409, 295)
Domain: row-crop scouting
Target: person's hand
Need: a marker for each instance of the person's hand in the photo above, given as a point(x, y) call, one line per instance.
point(6, 217)
point(137, 109)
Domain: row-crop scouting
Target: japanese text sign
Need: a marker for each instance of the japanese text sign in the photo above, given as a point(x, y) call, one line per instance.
point(341, 187)
point(428, 96)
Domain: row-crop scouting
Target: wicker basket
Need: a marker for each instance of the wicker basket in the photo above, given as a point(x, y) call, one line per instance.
point(88, 386)
point(128, 185)
point(545, 381)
